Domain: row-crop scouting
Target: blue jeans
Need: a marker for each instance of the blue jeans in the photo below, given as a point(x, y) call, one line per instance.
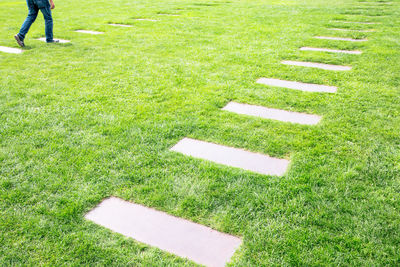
point(34, 7)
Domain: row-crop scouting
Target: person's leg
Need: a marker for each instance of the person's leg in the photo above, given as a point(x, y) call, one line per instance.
point(48, 20)
point(32, 15)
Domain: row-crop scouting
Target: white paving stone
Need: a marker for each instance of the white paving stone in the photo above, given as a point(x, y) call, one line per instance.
point(357, 22)
point(375, 3)
point(89, 32)
point(10, 50)
point(146, 19)
point(306, 87)
point(183, 238)
point(340, 39)
point(173, 15)
point(273, 114)
point(60, 40)
point(351, 30)
point(232, 157)
point(316, 65)
point(330, 50)
point(120, 25)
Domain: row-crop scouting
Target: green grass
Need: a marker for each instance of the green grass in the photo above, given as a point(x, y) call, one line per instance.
point(82, 121)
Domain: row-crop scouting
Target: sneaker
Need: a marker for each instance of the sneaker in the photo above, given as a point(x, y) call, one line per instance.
point(53, 42)
point(19, 41)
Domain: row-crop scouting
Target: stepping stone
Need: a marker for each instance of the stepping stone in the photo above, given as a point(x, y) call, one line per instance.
point(174, 15)
point(89, 32)
point(357, 22)
point(146, 19)
point(306, 87)
point(377, 3)
point(316, 65)
point(350, 30)
point(330, 50)
point(10, 50)
point(232, 157)
point(273, 114)
point(60, 40)
point(183, 238)
point(120, 25)
point(340, 39)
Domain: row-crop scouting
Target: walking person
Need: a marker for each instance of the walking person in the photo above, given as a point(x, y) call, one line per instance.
point(34, 6)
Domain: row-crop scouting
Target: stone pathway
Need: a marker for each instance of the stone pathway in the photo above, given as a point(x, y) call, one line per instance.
point(193, 241)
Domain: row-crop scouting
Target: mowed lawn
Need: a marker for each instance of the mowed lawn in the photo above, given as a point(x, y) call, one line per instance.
point(95, 118)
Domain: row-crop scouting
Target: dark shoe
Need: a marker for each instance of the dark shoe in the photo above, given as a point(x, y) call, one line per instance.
point(19, 41)
point(53, 42)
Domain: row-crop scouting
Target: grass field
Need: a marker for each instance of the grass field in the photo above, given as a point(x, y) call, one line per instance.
point(96, 117)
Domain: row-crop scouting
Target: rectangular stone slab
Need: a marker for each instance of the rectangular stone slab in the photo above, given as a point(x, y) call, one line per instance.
point(340, 39)
point(316, 65)
point(306, 87)
point(10, 50)
point(120, 25)
point(233, 157)
point(355, 52)
point(60, 40)
point(146, 19)
point(375, 3)
point(273, 114)
point(89, 32)
point(173, 15)
point(373, 16)
point(183, 238)
point(356, 22)
point(350, 30)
